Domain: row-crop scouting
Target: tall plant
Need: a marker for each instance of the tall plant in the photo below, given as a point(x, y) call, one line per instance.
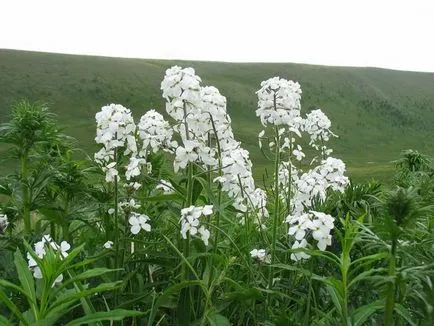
point(31, 128)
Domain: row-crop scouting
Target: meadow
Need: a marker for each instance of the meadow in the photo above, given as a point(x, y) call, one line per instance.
point(214, 193)
point(376, 112)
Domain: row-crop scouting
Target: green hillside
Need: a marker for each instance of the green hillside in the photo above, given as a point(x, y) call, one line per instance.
point(376, 112)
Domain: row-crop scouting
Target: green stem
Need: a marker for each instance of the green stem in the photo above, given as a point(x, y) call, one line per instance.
point(116, 229)
point(185, 303)
point(276, 211)
point(390, 299)
point(219, 199)
point(65, 227)
point(53, 230)
point(309, 296)
point(25, 193)
point(344, 272)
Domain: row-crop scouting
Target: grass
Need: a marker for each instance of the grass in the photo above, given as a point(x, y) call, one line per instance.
point(376, 112)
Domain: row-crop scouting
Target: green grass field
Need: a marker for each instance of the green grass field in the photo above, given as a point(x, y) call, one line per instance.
point(376, 112)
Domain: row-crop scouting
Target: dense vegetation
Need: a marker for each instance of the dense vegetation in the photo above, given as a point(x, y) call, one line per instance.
point(376, 112)
point(125, 237)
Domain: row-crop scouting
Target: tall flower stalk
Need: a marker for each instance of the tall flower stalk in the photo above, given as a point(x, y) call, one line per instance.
point(279, 106)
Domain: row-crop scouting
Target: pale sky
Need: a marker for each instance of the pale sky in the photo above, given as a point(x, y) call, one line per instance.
point(383, 33)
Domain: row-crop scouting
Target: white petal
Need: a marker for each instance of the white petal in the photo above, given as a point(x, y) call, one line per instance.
point(135, 229)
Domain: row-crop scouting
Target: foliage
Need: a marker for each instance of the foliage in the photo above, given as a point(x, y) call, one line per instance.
point(167, 226)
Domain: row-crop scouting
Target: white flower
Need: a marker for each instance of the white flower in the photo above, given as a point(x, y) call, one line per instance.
point(3, 222)
point(165, 186)
point(133, 185)
point(111, 172)
point(298, 153)
point(260, 136)
point(207, 209)
point(180, 86)
point(133, 168)
point(318, 224)
point(261, 255)
point(204, 234)
point(40, 251)
point(154, 132)
point(190, 222)
point(185, 154)
point(64, 247)
point(299, 255)
point(204, 126)
point(318, 126)
point(279, 103)
point(129, 205)
point(139, 222)
point(108, 244)
point(115, 130)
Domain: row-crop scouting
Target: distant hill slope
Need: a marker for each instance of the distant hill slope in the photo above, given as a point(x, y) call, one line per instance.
point(376, 112)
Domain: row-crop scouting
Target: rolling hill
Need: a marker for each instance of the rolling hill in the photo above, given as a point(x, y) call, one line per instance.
point(376, 112)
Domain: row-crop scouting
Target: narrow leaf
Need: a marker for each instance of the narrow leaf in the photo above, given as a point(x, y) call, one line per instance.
point(117, 314)
point(12, 307)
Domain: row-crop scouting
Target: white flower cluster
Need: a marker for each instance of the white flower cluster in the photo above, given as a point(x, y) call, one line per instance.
point(315, 183)
point(3, 222)
point(115, 130)
point(155, 132)
point(317, 223)
point(180, 86)
point(190, 222)
point(41, 248)
point(279, 103)
point(205, 130)
point(317, 124)
point(237, 178)
point(260, 255)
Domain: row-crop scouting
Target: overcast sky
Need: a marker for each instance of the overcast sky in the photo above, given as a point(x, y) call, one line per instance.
point(383, 33)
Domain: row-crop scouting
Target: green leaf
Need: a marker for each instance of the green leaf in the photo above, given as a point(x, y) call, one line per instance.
point(218, 320)
point(26, 279)
point(404, 313)
point(361, 314)
point(117, 314)
point(324, 254)
point(163, 197)
point(71, 297)
point(54, 314)
point(293, 268)
point(363, 277)
point(4, 321)
point(83, 276)
point(197, 190)
point(66, 262)
point(171, 290)
point(10, 285)
point(368, 259)
point(180, 190)
point(12, 307)
point(53, 214)
point(334, 294)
